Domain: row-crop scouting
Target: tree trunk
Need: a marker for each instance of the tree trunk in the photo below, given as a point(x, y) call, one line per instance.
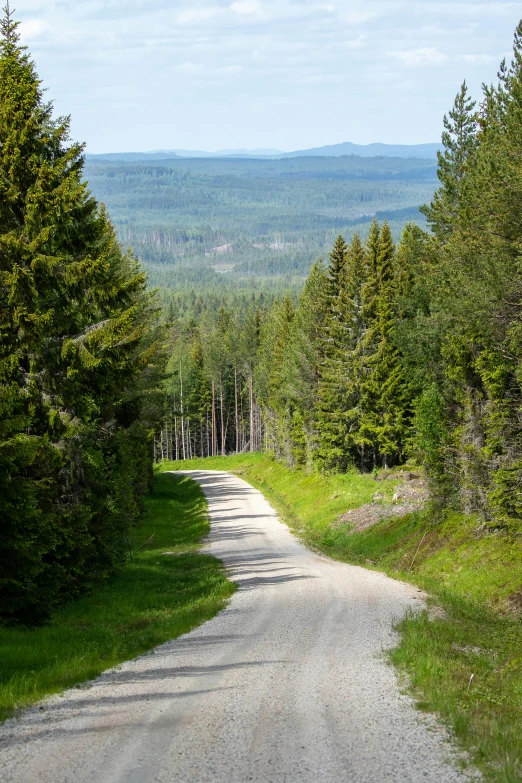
point(236, 409)
point(182, 421)
point(222, 420)
point(251, 405)
point(214, 433)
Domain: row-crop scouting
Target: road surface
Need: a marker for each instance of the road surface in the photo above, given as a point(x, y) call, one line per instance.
point(288, 684)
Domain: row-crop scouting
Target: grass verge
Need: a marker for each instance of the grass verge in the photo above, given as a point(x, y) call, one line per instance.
point(308, 502)
point(462, 659)
point(165, 590)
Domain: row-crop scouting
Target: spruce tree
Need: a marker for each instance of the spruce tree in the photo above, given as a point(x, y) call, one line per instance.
point(270, 376)
point(383, 391)
point(304, 354)
point(338, 394)
point(460, 142)
point(75, 348)
point(337, 262)
point(199, 397)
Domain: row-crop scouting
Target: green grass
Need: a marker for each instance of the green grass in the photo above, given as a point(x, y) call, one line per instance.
point(165, 590)
point(474, 578)
point(308, 502)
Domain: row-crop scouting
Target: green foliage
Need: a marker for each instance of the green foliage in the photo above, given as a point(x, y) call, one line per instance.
point(462, 330)
point(431, 432)
point(77, 361)
point(408, 346)
point(165, 589)
point(460, 142)
point(363, 412)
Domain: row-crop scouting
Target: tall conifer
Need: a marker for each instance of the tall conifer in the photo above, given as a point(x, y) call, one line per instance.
point(460, 141)
point(382, 386)
point(338, 394)
point(304, 355)
point(75, 351)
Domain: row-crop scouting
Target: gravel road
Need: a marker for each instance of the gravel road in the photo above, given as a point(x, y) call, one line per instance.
point(287, 684)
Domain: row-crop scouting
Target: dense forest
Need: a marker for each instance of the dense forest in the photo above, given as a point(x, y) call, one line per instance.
point(406, 343)
point(228, 224)
point(393, 350)
point(80, 361)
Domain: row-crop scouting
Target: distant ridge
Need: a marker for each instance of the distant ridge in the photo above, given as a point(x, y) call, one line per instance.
point(426, 151)
point(370, 150)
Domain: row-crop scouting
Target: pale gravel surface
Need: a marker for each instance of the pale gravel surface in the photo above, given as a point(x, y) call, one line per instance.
point(287, 684)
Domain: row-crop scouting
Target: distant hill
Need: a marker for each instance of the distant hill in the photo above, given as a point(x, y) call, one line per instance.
point(426, 151)
point(133, 157)
point(370, 151)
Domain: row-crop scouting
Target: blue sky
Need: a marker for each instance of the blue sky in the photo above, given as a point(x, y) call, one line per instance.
point(287, 74)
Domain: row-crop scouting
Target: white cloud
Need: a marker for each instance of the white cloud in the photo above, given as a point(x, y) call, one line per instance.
point(359, 17)
point(355, 43)
point(193, 67)
point(480, 58)
point(246, 7)
point(270, 72)
point(31, 29)
point(192, 15)
point(427, 55)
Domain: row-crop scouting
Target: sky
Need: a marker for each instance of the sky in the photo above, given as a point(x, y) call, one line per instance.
point(287, 74)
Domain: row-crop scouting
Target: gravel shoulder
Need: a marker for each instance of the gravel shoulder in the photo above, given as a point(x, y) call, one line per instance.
point(288, 683)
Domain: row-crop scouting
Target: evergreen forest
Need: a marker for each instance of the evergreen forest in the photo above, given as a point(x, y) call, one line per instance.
point(396, 348)
point(404, 343)
point(81, 361)
point(324, 323)
point(236, 224)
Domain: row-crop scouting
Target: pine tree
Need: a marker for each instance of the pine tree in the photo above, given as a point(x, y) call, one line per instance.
point(249, 344)
point(370, 287)
point(199, 397)
point(338, 258)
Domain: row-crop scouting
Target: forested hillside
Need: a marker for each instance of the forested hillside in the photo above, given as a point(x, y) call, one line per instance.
point(330, 150)
point(238, 223)
point(80, 361)
point(393, 350)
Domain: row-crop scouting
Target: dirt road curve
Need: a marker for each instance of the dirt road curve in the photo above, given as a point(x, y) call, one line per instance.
point(287, 684)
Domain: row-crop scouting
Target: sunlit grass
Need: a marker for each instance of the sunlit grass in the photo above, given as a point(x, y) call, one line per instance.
point(308, 501)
